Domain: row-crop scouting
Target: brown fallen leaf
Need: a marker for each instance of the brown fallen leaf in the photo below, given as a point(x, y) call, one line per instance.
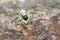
point(31, 37)
point(24, 30)
point(27, 33)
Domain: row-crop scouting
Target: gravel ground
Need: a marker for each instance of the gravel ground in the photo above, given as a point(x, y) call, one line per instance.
point(42, 21)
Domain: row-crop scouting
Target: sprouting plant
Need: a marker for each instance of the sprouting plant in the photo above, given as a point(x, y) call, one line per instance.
point(24, 16)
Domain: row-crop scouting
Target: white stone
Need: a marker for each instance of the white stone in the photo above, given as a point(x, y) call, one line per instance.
point(23, 12)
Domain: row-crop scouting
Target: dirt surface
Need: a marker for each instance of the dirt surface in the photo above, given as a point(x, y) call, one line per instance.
point(29, 19)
